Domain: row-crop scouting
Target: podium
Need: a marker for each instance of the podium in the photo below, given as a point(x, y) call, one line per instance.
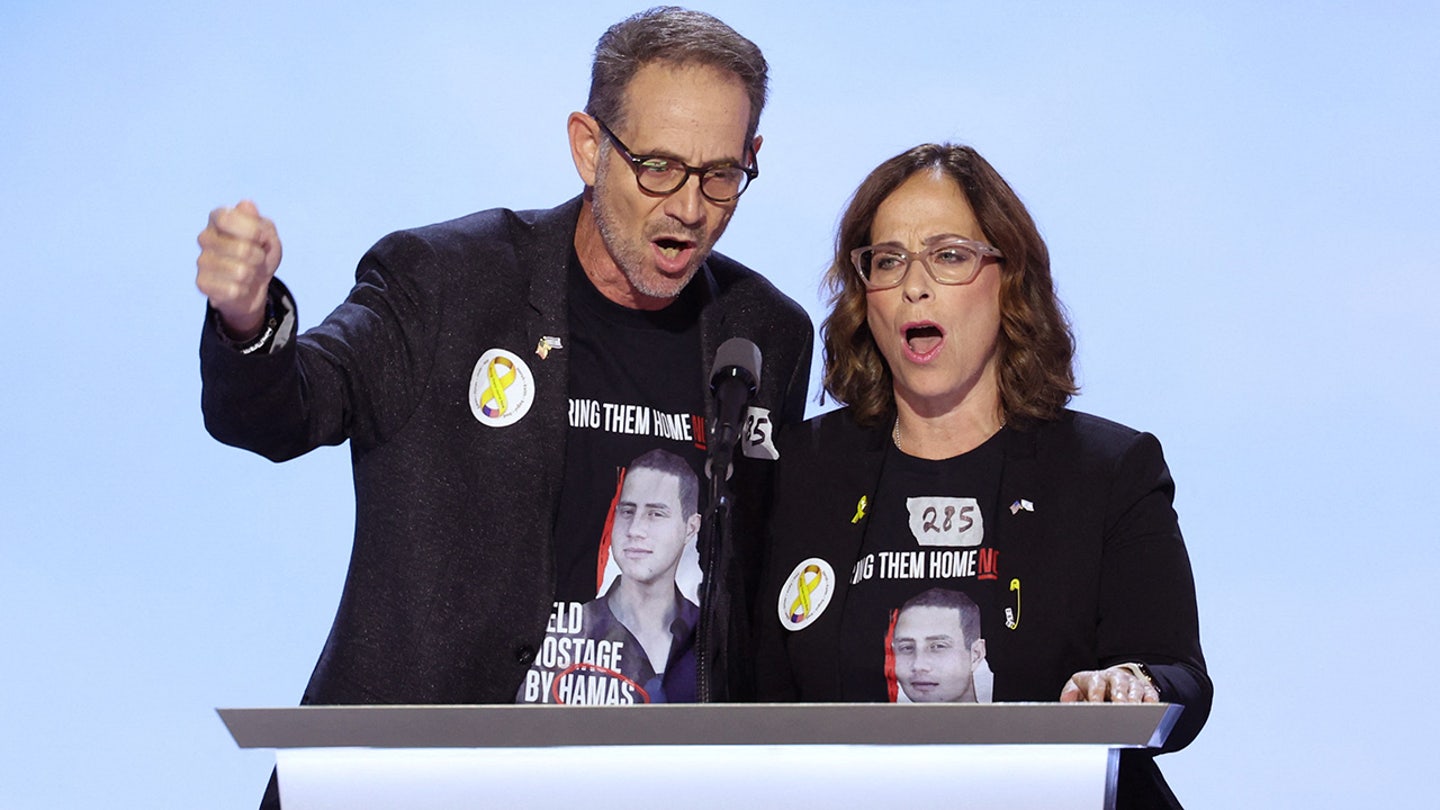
point(700, 756)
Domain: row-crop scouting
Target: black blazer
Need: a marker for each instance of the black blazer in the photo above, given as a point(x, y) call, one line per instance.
point(451, 576)
point(1104, 572)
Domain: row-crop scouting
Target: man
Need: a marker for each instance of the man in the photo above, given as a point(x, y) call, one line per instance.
point(937, 646)
point(644, 624)
point(482, 369)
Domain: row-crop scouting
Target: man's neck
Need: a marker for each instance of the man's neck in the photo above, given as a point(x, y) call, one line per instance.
point(601, 269)
point(644, 606)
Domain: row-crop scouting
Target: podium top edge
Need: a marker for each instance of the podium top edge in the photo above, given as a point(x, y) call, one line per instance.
point(525, 726)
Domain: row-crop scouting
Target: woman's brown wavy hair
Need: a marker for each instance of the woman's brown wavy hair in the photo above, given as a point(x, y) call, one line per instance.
point(1036, 345)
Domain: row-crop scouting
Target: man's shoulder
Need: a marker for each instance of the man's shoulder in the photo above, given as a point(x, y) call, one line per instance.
point(596, 609)
point(494, 254)
point(503, 222)
point(738, 287)
point(685, 610)
point(499, 226)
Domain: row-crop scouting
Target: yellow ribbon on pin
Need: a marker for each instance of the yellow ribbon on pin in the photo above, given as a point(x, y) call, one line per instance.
point(800, 608)
point(498, 383)
point(860, 509)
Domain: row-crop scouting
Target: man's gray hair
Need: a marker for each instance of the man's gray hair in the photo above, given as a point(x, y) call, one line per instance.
point(672, 36)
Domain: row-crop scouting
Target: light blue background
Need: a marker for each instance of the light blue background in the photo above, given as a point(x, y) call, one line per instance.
point(1240, 199)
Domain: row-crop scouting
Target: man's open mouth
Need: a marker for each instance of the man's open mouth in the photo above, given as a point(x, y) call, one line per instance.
point(672, 248)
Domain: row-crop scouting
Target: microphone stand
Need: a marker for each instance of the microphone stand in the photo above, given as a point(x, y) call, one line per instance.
point(716, 593)
point(733, 382)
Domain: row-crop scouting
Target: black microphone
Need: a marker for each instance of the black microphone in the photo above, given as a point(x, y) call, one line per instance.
point(733, 381)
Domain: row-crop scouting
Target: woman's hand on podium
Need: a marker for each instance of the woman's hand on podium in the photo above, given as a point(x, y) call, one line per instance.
point(1124, 683)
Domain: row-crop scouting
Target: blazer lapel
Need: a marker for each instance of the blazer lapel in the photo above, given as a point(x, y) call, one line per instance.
point(1020, 515)
point(712, 334)
point(850, 497)
point(1020, 504)
point(546, 259)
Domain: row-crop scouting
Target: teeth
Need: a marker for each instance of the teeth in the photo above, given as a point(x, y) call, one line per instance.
point(670, 252)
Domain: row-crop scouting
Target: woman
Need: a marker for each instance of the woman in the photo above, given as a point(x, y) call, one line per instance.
point(956, 533)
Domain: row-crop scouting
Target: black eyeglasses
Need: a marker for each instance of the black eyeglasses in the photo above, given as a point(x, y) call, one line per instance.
point(656, 174)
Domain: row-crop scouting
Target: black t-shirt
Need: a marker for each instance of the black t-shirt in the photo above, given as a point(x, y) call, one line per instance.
point(924, 591)
point(634, 388)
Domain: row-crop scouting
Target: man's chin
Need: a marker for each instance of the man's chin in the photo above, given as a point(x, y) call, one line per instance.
point(655, 284)
point(922, 694)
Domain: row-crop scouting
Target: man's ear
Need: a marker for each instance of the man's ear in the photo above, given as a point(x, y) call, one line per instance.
point(584, 145)
point(755, 145)
point(977, 651)
point(692, 525)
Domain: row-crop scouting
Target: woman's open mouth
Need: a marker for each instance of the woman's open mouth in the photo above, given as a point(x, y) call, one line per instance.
point(923, 340)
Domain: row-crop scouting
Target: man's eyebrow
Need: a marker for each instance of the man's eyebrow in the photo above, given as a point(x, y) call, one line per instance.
point(714, 164)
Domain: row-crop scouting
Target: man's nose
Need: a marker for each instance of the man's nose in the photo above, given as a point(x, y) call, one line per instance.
point(686, 203)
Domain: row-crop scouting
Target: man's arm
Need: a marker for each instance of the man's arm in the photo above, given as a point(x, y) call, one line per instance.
point(357, 375)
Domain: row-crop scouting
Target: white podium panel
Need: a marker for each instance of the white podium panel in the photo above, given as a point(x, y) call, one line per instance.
point(746, 756)
point(696, 777)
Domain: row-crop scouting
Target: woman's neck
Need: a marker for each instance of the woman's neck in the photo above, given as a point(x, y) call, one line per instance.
point(946, 434)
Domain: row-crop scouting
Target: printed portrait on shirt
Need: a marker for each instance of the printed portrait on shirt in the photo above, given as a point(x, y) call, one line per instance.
point(935, 652)
point(635, 642)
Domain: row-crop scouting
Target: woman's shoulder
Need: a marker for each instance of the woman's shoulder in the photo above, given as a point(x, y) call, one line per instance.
point(1087, 427)
point(833, 431)
point(1096, 429)
point(1088, 441)
point(1080, 437)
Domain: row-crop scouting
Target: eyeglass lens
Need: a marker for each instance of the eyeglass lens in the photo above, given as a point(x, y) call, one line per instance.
point(660, 176)
point(949, 264)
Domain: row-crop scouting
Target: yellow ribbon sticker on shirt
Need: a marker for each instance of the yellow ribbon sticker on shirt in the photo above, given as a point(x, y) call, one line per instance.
point(502, 388)
point(806, 593)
